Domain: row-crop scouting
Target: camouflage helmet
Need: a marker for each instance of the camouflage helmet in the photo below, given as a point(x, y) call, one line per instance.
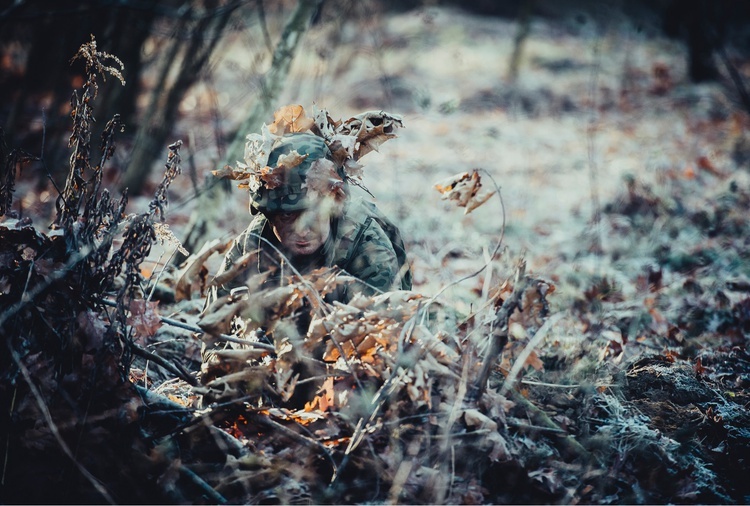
point(291, 196)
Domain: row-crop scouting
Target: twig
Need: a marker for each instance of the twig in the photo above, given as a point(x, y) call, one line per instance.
point(499, 336)
point(492, 256)
point(55, 432)
point(194, 328)
point(539, 417)
point(30, 295)
point(521, 360)
point(360, 429)
point(7, 439)
point(551, 385)
point(596, 216)
point(296, 436)
point(264, 26)
point(205, 487)
point(164, 268)
point(518, 424)
point(174, 369)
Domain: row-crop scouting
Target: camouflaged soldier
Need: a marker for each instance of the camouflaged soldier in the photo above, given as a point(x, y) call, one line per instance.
point(295, 223)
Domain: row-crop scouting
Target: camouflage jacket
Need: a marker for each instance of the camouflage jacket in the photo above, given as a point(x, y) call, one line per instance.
point(362, 242)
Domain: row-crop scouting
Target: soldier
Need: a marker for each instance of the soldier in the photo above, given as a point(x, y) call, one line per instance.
point(309, 229)
point(305, 216)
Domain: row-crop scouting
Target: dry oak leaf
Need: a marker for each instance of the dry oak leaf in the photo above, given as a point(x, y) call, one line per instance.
point(238, 268)
point(466, 189)
point(290, 119)
point(144, 319)
point(217, 317)
point(324, 181)
point(258, 148)
point(273, 177)
point(193, 272)
point(265, 308)
point(371, 129)
point(276, 176)
point(324, 125)
point(230, 172)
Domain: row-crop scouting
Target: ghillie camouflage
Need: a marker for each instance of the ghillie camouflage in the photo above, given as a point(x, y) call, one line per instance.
point(363, 243)
point(291, 194)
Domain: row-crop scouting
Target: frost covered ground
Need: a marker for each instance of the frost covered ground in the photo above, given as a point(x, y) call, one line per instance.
point(594, 101)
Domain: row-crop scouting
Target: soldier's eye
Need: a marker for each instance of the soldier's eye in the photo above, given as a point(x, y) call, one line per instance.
point(285, 218)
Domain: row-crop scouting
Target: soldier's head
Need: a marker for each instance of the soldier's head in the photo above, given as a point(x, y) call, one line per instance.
point(304, 193)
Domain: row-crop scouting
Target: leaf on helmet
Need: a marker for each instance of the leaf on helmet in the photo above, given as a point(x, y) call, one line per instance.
point(290, 119)
point(273, 177)
point(233, 173)
point(353, 169)
point(371, 129)
point(258, 148)
point(291, 159)
point(324, 126)
point(276, 176)
point(323, 180)
point(371, 140)
point(466, 189)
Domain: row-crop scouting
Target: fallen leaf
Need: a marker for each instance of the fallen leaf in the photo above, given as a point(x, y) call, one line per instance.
point(144, 318)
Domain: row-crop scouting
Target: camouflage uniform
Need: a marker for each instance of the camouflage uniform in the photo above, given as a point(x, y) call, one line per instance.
point(362, 241)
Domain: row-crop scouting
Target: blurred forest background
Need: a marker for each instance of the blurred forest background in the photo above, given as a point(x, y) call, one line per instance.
point(209, 73)
point(618, 133)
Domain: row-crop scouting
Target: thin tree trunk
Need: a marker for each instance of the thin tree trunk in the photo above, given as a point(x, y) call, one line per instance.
point(522, 34)
point(162, 109)
point(209, 205)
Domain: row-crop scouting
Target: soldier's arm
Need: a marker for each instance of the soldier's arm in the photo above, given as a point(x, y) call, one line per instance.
point(375, 262)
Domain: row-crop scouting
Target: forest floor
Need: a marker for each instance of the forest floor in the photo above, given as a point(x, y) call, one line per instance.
point(623, 186)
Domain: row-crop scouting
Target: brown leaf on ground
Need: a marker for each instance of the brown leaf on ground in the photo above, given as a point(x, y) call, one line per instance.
point(218, 316)
point(269, 307)
point(237, 268)
point(144, 318)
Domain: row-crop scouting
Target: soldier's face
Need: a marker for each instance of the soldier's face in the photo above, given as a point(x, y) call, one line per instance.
point(302, 232)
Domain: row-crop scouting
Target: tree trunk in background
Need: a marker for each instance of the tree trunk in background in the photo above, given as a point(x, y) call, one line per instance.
point(53, 30)
point(209, 204)
point(127, 32)
point(161, 112)
point(522, 33)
